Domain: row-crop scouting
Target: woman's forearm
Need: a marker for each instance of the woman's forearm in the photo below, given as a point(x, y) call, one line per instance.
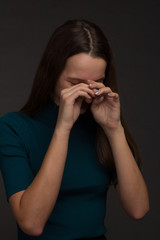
point(131, 186)
point(39, 198)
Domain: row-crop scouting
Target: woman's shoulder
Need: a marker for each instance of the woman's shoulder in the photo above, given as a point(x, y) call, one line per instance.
point(14, 121)
point(15, 128)
point(13, 117)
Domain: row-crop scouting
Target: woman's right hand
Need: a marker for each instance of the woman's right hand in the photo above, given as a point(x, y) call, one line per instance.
point(70, 104)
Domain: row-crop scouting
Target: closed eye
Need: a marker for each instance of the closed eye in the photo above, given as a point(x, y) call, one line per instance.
point(73, 83)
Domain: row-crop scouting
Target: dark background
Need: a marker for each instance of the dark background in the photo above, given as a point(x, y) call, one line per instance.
point(132, 28)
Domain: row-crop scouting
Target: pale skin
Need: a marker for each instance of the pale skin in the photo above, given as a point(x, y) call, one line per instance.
point(79, 82)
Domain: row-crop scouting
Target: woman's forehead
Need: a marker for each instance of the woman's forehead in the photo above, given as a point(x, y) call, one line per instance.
point(83, 66)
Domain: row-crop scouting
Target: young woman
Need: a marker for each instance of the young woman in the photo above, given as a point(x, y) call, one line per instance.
point(60, 153)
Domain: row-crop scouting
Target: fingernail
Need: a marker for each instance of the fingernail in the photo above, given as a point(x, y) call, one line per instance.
point(110, 93)
point(91, 84)
point(89, 80)
point(97, 92)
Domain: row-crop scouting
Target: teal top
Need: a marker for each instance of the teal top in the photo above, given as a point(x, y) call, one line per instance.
point(80, 208)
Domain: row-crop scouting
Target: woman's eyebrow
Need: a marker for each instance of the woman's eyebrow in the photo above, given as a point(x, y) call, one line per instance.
point(79, 79)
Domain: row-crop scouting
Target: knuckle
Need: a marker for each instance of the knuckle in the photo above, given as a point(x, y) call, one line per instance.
point(82, 84)
point(109, 89)
point(63, 96)
point(82, 93)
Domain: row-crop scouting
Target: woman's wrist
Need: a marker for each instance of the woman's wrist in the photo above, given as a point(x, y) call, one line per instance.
point(62, 131)
point(114, 133)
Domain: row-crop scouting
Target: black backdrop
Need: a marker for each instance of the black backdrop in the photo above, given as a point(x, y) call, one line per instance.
point(132, 28)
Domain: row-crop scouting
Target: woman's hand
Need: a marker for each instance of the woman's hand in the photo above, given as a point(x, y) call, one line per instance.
point(106, 106)
point(70, 104)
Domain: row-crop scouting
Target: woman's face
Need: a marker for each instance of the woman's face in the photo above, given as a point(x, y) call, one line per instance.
point(78, 69)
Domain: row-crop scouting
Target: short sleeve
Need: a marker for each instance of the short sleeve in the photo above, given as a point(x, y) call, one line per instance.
point(14, 165)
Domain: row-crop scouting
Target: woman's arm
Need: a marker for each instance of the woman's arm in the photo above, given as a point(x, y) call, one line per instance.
point(131, 187)
point(33, 206)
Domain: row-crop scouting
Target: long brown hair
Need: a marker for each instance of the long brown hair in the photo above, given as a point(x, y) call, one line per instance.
point(73, 37)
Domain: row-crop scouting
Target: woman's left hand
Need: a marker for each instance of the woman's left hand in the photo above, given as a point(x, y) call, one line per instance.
point(105, 106)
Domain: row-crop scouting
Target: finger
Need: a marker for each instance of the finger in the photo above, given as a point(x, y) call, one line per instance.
point(98, 99)
point(81, 86)
point(106, 91)
point(75, 87)
point(94, 84)
point(98, 87)
point(73, 97)
point(88, 100)
point(112, 94)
